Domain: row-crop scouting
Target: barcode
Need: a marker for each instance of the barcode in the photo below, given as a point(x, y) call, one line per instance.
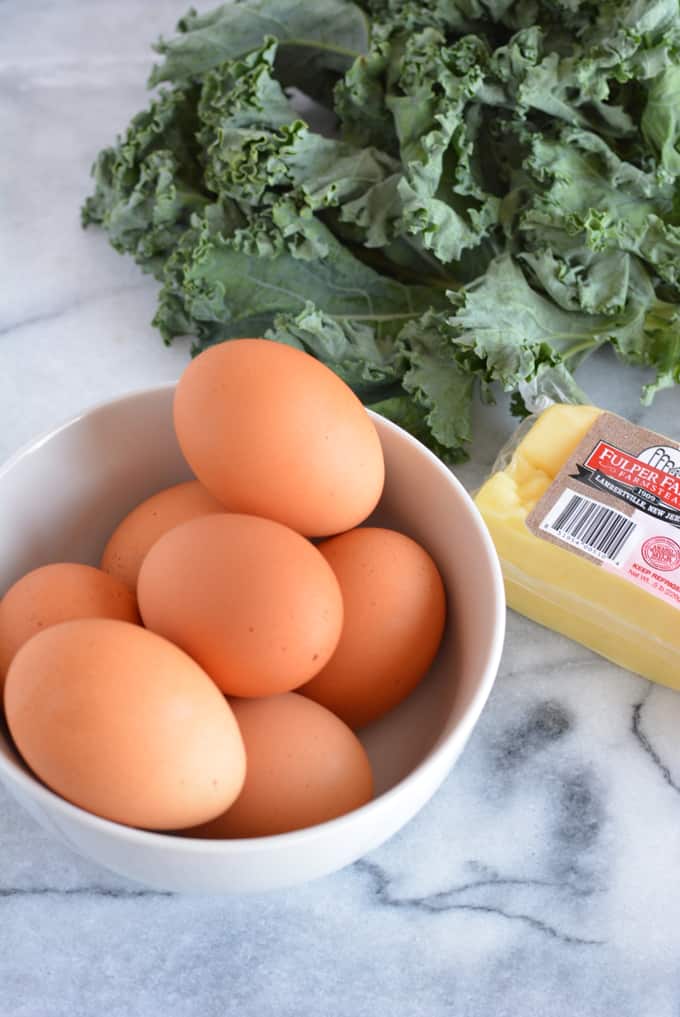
point(592, 526)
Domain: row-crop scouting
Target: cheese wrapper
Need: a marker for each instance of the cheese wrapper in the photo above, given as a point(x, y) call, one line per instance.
point(584, 510)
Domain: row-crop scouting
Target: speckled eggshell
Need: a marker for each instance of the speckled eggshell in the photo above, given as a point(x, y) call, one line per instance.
point(138, 532)
point(56, 593)
point(252, 601)
point(304, 767)
point(395, 610)
point(271, 431)
point(122, 723)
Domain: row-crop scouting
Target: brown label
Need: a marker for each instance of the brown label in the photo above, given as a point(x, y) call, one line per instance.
point(616, 502)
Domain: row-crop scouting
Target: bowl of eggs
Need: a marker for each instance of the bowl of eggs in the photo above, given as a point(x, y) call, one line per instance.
point(247, 626)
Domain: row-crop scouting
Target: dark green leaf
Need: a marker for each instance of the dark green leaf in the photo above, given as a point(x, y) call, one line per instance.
point(331, 32)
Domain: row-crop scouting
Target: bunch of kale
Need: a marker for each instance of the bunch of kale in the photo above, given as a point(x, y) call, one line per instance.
point(497, 197)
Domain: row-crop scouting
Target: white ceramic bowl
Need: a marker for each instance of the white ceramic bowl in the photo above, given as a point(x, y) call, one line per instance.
point(61, 497)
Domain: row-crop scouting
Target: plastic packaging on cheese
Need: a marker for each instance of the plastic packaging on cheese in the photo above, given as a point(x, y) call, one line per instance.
point(584, 510)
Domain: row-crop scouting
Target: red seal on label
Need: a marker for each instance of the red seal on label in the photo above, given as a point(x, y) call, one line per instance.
point(661, 553)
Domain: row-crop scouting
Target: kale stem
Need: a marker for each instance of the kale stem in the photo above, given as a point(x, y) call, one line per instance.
point(375, 317)
point(326, 47)
point(586, 344)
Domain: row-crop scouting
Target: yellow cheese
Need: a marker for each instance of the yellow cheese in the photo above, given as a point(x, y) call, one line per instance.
point(559, 588)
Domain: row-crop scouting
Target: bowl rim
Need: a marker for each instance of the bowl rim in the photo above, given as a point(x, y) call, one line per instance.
point(437, 757)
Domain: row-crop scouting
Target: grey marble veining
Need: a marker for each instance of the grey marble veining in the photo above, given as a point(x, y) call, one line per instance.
point(541, 881)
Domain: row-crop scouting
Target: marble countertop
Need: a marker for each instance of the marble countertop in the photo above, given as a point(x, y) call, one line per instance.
point(542, 879)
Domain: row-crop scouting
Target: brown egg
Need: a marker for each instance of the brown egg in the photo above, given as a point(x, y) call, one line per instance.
point(304, 767)
point(57, 593)
point(139, 531)
point(395, 609)
point(272, 432)
point(251, 600)
point(122, 723)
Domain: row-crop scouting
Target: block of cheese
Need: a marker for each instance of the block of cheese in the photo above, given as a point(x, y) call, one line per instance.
point(560, 587)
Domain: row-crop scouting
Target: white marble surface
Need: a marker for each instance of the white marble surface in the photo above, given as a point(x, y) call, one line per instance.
point(543, 877)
